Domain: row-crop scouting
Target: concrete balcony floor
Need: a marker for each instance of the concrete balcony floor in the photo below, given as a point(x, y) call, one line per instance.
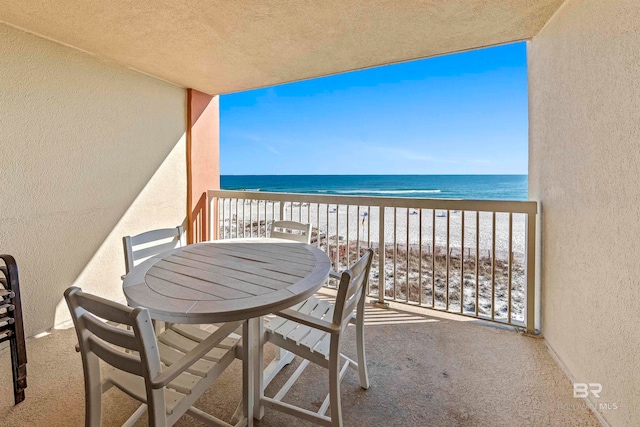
point(425, 370)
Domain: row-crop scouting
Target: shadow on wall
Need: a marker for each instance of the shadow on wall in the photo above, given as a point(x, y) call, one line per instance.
point(160, 204)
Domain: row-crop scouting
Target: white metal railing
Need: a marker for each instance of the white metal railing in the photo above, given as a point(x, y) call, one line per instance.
point(470, 257)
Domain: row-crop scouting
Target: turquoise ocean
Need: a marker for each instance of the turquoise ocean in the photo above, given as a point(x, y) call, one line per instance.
point(475, 187)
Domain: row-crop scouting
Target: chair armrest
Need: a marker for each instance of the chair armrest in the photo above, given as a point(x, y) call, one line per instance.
point(334, 275)
point(311, 321)
point(170, 374)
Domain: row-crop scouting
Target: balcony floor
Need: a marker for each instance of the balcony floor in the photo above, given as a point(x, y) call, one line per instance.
point(432, 369)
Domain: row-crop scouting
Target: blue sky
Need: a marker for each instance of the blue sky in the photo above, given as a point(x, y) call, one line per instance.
point(457, 114)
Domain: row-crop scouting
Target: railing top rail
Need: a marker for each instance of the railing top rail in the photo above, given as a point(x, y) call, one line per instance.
point(525, 207)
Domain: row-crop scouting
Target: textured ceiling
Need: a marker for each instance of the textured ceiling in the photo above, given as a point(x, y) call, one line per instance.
point(219, 46)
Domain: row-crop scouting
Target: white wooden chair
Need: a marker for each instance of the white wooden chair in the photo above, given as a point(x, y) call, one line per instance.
point(145, 245)
point(313, 330)
point(167, 374)
point(291, 230)
point(297, 232)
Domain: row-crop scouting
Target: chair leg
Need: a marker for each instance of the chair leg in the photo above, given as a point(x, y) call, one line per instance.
point(92, 391)
point(281, 353)
point(19, 369)
point(156, 408)
point(334, 384)
point(362, 358)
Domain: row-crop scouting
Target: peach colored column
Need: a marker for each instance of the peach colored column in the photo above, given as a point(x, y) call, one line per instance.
point(203, 160)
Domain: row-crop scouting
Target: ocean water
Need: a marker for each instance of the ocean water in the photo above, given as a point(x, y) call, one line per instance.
point(474, 187)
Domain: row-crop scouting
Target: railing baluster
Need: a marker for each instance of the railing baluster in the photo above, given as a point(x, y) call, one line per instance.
point(327, 238)
point(224, 218)
point(395, 253)
point(407, 270)
point(381, 256)
point(337, 264)
point(237, 216)
point(266, 218)
point(212, 216)
point(448, 260)
point(462, 262)
point(530, 268)
point(262, 233)
point(368, 226)
point(220, 220)
point(368, 241)
point(477, 257)
point(250, 218)
point(493, 266)
point(433, 258)
point(259, 222)
point(358, 234)
point(420, 290)
point(318, 225)
point(510, 267)
point(347, 250)
point(259, 227)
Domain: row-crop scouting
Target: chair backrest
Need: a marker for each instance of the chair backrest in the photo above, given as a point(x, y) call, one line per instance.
point(352, 287)
point(99, 340)
point(145, 245)
point(291, 230)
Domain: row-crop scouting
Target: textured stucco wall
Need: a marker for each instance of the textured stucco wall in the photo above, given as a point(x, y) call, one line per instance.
point(89, 152)
point(584, 70)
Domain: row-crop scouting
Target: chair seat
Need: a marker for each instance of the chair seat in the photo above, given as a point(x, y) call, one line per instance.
point(179, 339)
point(314, 340)
point(173, 343)
point(133, 385)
